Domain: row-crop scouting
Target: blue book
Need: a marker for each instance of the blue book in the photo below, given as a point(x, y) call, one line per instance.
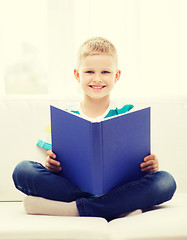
point(100, 156)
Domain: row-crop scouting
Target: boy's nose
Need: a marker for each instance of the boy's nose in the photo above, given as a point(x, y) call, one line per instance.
point(97, 78)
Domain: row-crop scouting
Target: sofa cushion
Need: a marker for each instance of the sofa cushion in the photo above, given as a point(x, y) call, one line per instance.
point(167, 221)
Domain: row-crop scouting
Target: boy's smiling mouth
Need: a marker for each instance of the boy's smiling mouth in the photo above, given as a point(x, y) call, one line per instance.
point(97, 86)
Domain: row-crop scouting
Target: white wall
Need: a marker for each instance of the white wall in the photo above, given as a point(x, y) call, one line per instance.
point(150, 36)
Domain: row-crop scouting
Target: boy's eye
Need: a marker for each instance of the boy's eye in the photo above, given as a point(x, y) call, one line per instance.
point(105, 72)
point(89, 72)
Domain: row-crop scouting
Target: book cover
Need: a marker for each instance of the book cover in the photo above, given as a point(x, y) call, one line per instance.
point(100, 156)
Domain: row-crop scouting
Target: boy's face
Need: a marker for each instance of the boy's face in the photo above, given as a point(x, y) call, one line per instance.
point(97, 75)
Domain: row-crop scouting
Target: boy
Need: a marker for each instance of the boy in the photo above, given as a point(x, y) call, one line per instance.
point(97, 72)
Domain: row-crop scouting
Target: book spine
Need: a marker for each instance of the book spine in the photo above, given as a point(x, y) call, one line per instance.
point(97, 158)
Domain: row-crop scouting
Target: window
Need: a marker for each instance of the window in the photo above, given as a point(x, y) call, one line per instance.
point(24, 46)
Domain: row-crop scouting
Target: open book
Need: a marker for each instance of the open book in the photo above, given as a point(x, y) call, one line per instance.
point(100, 156)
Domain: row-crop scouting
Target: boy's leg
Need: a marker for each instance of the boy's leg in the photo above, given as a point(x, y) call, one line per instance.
point(34, 179)
point(153, 189)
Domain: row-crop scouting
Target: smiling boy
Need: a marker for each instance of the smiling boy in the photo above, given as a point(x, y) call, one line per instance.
point(97, 76)
point(97, 72)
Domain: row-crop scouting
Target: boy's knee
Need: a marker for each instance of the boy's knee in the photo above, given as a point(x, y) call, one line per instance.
point(165, 184)
point(168, 181)
point(24, 168)
point(18, 170)
point(20, 167)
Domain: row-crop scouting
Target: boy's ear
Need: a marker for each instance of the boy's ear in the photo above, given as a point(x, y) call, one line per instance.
point(117, 76)
point(76, 74)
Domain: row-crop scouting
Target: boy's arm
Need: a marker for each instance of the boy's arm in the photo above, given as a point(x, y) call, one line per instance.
point(51, 164)
point(150, 164)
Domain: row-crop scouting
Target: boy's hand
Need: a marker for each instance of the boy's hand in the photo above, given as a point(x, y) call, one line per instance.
point(150, 164)
point(51, 164)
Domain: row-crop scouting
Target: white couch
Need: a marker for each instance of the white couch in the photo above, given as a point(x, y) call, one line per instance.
point(22, 121)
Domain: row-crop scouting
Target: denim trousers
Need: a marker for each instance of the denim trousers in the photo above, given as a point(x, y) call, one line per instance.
point(152, 189)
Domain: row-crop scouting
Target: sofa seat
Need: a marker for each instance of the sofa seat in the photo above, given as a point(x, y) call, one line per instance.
point(167, 221)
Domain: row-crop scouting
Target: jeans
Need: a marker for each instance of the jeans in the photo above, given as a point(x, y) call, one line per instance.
point(154, 188)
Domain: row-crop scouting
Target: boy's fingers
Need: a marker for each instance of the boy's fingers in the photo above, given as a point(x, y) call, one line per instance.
point(53, 165)
point(53, 168)
point(53, 162)
point(150, 157)
point(149, 166)
point(51, 154)
point(148, 163)
point(149, 169)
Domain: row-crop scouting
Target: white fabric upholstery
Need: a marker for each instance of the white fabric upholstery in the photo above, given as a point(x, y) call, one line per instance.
point(167, 222)
point(22, 121)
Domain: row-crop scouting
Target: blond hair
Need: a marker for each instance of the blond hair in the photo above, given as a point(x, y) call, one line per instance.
point(94, 46)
